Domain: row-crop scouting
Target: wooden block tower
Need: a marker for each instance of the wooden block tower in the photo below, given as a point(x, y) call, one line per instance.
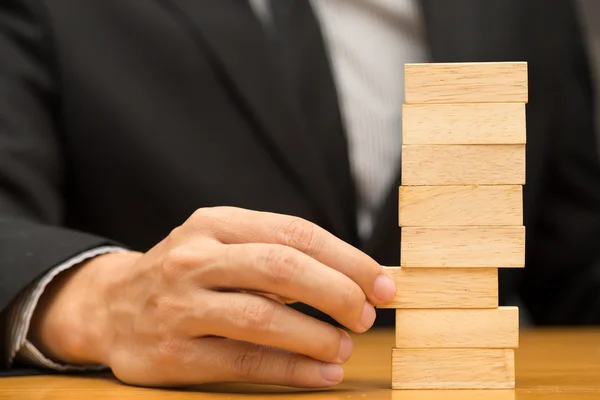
point(461, 219)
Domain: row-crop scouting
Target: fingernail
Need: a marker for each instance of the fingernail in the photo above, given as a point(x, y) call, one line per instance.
point(384, 289)
point(368, 316)
point(346, 346)
point(332, 373)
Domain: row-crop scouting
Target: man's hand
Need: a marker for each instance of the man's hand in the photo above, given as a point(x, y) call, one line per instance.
point(205, 304)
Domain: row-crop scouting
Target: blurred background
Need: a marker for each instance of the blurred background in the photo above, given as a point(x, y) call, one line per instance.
point(589, 11)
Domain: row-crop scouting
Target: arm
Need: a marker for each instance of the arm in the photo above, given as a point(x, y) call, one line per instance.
point(174, 315)
point(21, 326)
point(31, 169)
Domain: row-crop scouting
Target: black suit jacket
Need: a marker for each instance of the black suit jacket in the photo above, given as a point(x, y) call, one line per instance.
point(119, 118)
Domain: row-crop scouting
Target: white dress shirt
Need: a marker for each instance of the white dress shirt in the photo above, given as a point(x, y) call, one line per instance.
point(369, 42)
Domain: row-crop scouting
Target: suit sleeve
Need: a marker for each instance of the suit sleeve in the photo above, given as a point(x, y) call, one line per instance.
point(32, 178)
point(20, 349)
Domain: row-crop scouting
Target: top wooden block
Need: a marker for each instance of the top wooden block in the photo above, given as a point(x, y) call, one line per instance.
point(498, 82)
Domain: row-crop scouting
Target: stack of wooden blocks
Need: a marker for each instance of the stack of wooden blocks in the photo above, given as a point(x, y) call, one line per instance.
point(461, 219)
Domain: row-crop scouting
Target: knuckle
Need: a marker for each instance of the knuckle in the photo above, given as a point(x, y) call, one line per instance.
point(257, 315)
point(281, 264)
point(352, 298)
point(169, 351)
point(177, 261)
point(204, 219)
point(302, 235)
point(167, 309)
point(202, 214)
point(326, 346)
point(175, 235)
point(249, 361)
point(180, 260)
point(290, 368)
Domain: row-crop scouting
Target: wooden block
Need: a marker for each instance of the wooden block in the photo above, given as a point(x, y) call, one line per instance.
point(460, 205)
point(457, 394)
point(490, 328)
point(443, 288)
point(498, 247)
point(436, 165)
point(453, 369)
point(492, 82)
point(481, 123)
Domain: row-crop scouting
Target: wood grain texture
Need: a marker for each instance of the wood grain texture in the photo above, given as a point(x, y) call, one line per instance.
point(460, 205)
point(481, 123)
point(488, 82)
point(551, 364)
point(436, 165)
point(450, 394)
point(498, 247)
point(453, 368)
point(444, 288)
point(491, 328)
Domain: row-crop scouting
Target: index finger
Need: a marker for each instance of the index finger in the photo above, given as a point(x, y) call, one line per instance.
point(232, 225)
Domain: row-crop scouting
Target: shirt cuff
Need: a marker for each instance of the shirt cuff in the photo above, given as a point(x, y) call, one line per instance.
point(19, 318)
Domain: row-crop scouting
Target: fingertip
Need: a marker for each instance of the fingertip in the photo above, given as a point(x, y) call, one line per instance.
point(332, 374)
point(346, 347)
point(367, 318)
point(384, 289)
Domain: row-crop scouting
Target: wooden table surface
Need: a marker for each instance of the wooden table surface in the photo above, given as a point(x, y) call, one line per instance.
point(550, 364)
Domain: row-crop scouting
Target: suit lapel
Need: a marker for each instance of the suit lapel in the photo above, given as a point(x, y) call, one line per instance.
point(232, 35)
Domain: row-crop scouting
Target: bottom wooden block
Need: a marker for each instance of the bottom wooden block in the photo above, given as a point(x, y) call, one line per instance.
point(454, 394)
point(453, 368)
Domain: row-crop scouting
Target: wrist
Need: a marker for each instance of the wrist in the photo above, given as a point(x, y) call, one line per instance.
point(71, 324)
